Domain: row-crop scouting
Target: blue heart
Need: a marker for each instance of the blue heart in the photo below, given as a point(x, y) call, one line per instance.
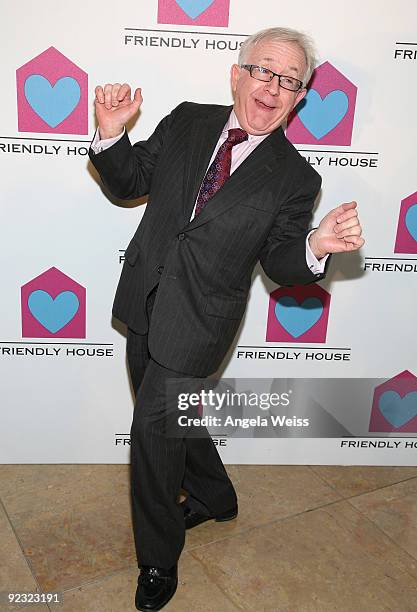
point(296, 319)
point(411, 220)
point(53, 314)
point(194, 8)
point(319, 115)
point(52, 104)
point(398, 410)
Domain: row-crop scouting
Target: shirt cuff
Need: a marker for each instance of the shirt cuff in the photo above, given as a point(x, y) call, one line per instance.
point(316, 266)
point(101, 145)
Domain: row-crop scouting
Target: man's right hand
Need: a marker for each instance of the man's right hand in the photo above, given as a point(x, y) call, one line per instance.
point(114, 108)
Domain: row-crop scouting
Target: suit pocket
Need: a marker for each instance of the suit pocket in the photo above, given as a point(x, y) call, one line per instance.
point(258, 206)
point(263, 201)
point(132, 253)
point(225, 306)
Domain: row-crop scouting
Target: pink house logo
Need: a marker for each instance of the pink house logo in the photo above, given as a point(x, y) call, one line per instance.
point(406, 239)
point(298, 314)
point(194, 12)
point(52, 95)
point(53, 306)
point(325, 115)
point(394, 404)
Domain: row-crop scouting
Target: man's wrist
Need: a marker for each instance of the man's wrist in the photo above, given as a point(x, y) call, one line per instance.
point(105, 134)
point(312, 240)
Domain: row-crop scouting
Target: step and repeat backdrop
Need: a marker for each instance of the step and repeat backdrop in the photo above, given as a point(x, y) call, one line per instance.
point(65, 394)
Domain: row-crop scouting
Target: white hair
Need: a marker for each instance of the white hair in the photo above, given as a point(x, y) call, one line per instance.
point(304, 42)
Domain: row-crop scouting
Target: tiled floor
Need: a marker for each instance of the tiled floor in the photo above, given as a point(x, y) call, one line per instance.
point(307, 539)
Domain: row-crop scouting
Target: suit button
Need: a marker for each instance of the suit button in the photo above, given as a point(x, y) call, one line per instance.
point(181, 236)
point(160, 269)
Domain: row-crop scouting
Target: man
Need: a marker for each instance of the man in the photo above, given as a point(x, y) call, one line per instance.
point(226, 189)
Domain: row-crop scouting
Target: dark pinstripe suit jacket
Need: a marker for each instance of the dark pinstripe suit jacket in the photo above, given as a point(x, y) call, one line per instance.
point(204, 267)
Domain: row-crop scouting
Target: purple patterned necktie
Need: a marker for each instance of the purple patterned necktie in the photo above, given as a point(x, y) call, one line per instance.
point(219, 171)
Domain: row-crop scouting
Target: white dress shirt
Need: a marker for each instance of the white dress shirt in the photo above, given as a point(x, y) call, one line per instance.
point(239, 153)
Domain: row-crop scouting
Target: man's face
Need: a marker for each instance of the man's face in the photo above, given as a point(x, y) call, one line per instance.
point(260, 106)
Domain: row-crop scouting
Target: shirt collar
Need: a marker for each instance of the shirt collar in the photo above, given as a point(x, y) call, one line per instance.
point(233, 122)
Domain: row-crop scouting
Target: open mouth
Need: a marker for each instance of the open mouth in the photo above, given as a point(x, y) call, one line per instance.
point(263, 106)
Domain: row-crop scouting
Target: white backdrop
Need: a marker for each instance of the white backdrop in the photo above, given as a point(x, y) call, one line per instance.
point(65, 394)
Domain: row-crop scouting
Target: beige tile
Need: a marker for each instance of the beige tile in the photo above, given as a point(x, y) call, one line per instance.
point(266, 493)
point(30, 608)
point(351, 480)
point(83, 542)
point(74, 522)
point(394, 510)
point(397, 594)
point(196, 592)
point(15, 574)
point(75, 525)
point(29, 489)
point(328, 559)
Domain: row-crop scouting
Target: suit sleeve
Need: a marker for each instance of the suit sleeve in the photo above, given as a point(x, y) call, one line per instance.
point(127, 170)
point(283, 256)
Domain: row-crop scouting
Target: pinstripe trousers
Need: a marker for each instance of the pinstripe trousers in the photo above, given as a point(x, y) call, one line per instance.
point(163, 464)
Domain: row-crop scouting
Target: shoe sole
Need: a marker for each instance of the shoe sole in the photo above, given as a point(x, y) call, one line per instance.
point(221, 519)
point(224, 519)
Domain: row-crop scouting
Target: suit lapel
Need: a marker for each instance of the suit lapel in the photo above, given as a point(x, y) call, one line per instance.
point(204, 134)
point(255, 172)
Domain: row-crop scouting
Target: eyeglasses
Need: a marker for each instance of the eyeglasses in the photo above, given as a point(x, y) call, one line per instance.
point(264, 74)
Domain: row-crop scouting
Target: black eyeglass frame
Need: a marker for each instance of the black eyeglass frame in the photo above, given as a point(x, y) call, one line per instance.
point(272, 74)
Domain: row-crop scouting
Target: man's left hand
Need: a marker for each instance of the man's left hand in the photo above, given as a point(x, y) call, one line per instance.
point(338, 232)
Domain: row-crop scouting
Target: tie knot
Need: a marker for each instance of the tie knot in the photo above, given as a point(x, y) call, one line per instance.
point(237, 135)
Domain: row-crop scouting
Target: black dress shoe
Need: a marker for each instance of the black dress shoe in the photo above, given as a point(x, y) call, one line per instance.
point(192, 518)
point(156, 586)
